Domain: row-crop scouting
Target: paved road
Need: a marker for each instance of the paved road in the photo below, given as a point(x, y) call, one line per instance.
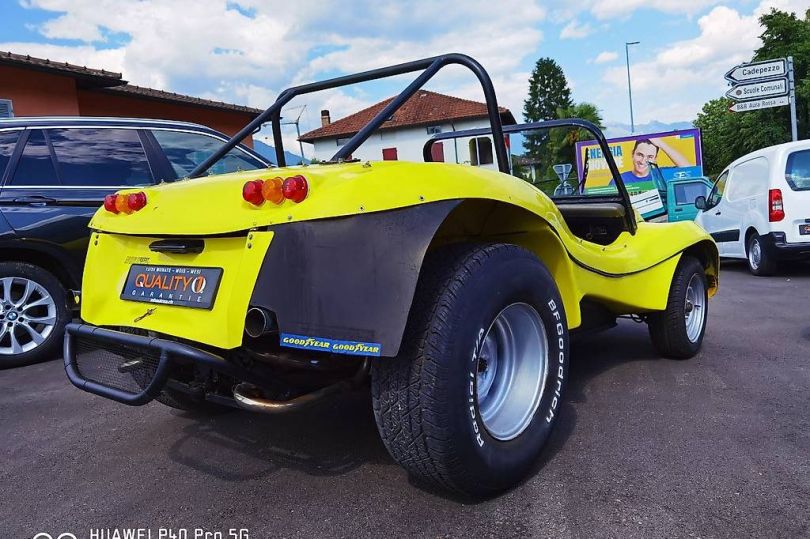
point(715, 446)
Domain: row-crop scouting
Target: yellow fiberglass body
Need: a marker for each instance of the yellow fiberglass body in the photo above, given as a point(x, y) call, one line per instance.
point(632, 274)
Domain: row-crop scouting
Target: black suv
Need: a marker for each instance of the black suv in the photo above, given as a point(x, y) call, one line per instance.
point(54, 173)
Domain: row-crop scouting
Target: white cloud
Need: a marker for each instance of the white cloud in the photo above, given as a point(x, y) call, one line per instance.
point(673, 83)
point(606, 9)
point(248, 50)
point(605, 57)
point(575, 30)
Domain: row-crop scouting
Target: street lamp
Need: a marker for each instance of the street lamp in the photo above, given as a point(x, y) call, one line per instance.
point(629, 87)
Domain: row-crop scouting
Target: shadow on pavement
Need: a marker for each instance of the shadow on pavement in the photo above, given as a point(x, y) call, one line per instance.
point(331, 438)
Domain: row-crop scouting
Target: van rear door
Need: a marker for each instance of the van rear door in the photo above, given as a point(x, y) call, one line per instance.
point(795, 189)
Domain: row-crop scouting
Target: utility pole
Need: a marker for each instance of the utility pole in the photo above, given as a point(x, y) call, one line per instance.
point(794, 128)
point(629, 86)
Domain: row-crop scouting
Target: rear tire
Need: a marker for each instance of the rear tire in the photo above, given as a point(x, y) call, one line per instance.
point(760, 262)
point(449, 407)
point(33, 314)
point(677, 332)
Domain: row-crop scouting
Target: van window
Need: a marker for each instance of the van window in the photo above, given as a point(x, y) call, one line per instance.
point(95, 157)
point(717, 191)
point(749, 179)
point(797, 172)
point(35, 166)
point(8, 140)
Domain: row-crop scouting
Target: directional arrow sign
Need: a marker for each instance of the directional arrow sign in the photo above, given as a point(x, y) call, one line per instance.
point(758, 90)
point(563, 170)
point(745, 106)
point(758, 70)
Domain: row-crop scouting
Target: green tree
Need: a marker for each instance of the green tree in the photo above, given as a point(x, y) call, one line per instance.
point(548, 93)
point(727, 135)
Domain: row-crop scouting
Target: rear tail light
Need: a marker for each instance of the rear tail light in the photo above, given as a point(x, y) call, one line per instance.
point(276, 190)
point(125, 203)
point(136, 201)
point(252, 192)
point(295, 188)
point(776, 208)
point(109, 203)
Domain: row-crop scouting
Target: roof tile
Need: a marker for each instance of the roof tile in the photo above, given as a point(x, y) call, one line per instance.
point(423, 108)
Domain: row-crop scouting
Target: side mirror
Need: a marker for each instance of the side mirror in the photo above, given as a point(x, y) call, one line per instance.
point(700, 202)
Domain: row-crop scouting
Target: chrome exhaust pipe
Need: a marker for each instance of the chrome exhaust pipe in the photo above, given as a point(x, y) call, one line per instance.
point(259, 322)
point(247, 396)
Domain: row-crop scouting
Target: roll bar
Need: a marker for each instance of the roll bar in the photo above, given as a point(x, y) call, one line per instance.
point(548, 124)
point(428, 66)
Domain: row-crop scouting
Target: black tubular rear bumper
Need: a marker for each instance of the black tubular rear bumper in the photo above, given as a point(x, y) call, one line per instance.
point(164, 352)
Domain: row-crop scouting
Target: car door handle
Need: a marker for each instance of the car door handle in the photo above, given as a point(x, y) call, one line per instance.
point(35, 200)
point(718, 213)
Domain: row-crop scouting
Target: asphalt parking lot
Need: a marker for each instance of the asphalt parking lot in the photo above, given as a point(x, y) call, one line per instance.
point(718, 446)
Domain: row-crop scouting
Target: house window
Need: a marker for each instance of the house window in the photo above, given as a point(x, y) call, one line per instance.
point(389, 154)
point(6, 109)
point(437, 152)
point(480, 151)
point(434, 129)
point(342, 141)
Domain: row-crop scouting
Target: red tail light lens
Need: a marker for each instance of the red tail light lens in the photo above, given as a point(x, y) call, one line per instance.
point(109, 203)
point(295, 188)
point(136, 201)
point(776, 208)
point(252, 192)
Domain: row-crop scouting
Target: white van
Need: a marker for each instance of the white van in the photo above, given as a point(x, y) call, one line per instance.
point(759, 207)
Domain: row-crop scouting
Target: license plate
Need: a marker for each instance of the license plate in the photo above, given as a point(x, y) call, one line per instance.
point(172, 285)
point(804, 230)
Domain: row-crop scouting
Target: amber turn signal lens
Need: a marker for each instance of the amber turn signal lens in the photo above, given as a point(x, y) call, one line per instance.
point(295, 188)
point(252, 192)
point(272, 190)
point(109, 203)
point(121, 204)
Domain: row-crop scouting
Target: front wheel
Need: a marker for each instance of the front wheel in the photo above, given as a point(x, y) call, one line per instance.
point(677, 332)
point(471, 399)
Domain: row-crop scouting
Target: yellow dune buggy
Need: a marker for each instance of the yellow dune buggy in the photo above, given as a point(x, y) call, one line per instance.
point(455, 287)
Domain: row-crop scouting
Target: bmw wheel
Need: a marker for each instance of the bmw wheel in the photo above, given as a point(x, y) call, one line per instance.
point(33, 314)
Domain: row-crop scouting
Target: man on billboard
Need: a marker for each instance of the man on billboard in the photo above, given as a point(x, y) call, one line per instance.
point(646, 151)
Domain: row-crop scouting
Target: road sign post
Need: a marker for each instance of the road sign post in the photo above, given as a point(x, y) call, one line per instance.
point(794, 128)
point(763, 85)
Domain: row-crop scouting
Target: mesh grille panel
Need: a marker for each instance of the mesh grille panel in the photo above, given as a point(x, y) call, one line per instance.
point(127, 368)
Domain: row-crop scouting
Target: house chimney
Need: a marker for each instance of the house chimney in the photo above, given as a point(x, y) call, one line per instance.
point(325, 119)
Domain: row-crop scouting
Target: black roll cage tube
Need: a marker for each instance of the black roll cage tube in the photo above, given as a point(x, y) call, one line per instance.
point(428, 66)
point(427, 154)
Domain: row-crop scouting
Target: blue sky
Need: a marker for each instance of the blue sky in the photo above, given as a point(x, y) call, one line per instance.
point(246, 51)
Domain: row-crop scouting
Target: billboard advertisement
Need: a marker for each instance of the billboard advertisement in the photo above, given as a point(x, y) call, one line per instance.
point(673, 154)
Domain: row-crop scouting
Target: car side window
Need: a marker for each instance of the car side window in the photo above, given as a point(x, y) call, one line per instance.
point(687, 192)
point(35, 166)
point(8, 140)
point(100, 157)
point(185, 151)
point(717, 191)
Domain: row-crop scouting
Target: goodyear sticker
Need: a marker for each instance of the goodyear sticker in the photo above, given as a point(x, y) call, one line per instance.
point(323, 344)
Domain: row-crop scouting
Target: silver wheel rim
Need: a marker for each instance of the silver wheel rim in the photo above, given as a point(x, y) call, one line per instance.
point(695, 307)
point(27, 315)
point(512, 371)
point(755, 254)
